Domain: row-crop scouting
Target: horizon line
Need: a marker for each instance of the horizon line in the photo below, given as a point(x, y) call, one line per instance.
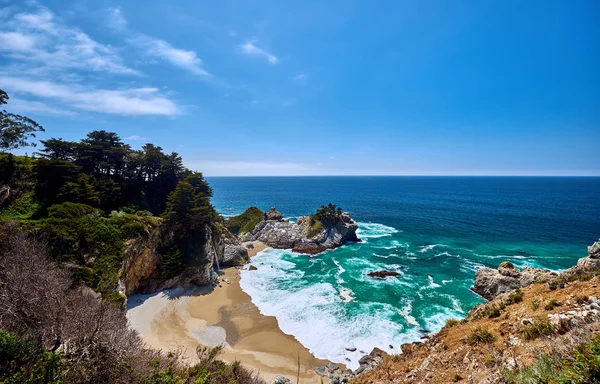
point(405, 175)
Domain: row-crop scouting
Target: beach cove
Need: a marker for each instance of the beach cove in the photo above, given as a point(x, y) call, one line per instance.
point(181, 319)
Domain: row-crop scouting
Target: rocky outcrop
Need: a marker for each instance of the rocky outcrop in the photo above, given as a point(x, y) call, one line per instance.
point(489, 282)
point(273, 215)
point(382, 274)
point(140, 268)
point(586, 264)
point(304, 236)
point(366, 363)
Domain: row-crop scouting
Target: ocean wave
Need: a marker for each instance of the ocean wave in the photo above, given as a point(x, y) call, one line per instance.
point(432, 284)
point(405, 312)
point(374, 231)
point(317, 316)
point(425, 248)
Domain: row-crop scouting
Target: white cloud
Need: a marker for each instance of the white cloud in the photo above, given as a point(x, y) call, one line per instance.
point(136, 138)
point(300, 77)
point(181, 58)
point(16, 41)
point(29, 106)
point(116, 20)
point(134, 101)
point(250, 49)
point(41, 40)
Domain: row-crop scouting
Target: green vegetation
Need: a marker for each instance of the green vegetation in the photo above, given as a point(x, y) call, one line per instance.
point(539, 327)
point(480, 335)
point(246, 221)
point(328, 214)
point(551, 305)
point(15, 130)
point(452, 323)
point(515, 297)
point(580, 365)
point(316, 227)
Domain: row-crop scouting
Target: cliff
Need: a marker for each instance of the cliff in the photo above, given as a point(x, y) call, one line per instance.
point(308, 235)
point(141, 269)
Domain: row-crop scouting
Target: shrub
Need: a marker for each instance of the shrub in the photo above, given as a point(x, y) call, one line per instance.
point(328, 214)
point(551, 305)
point(245, 222)
point(456, 378)
point(70, 210)
point(535, 304)
point(480, 335)
point(492, 311)
point(452, 323)
point(582, 365)
point(552, 285)
point(315, 228)
point(539, 327)
point(515, 297)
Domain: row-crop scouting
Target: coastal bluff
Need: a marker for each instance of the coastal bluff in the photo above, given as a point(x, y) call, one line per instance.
point(328, 228)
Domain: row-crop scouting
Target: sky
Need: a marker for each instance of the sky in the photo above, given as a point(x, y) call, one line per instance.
point(277, 87)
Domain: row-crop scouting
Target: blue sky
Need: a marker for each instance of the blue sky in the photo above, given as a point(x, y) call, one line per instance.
point(317, 87)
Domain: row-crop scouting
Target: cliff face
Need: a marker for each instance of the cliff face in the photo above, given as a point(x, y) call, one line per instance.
point(303, 236)
point(140, 270)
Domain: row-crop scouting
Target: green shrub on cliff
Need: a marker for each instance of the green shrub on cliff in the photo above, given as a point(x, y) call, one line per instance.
point(328, 214)
point(246, 221)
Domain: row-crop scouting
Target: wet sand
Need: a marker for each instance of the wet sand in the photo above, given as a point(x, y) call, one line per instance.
point(183, 318)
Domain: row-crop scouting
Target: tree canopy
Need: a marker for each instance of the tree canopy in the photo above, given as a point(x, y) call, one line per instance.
point(15, 130)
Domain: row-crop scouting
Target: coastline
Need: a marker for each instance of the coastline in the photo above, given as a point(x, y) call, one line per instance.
point(180, 319)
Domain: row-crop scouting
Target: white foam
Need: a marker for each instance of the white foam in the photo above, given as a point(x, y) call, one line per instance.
point(346, 294)
point(316, 314)
point(374, 231)
point(406, 313)
point(425, 248)
point(432, 284)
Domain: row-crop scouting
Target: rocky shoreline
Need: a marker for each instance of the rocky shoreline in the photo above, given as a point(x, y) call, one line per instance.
point(306, 235)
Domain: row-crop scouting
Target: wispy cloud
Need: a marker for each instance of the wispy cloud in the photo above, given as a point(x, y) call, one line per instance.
point(299, 77)
point(116, 19)
point(136, 101)
point(181, 58)
point(40, 39)
point(135, 138)
point(251, 49)
point(37, 107)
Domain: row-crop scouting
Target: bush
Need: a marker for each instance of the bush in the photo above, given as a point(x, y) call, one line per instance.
point(553, 285)
point(539, 327)
point(480, 335)
point(551, 305)
point(70, 210)
point(245, 222)
point(328, 214)
point(315, 228)
point(582, 365)
point(492, 311)
point(515, 297)
point(452, 323)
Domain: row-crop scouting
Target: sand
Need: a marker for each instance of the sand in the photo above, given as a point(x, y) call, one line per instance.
point(184, 318)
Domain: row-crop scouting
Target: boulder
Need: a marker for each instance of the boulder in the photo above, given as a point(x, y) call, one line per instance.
point(281, 380)
point(252, 268)
point(594, 250)
point(235, 255)
point(273, 215)
point(382, 274)
point(489, 282)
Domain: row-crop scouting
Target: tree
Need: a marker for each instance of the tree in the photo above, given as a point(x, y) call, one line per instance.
point(189, 203)
point(15, 130)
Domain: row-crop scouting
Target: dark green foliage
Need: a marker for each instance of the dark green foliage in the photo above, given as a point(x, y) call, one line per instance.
point(552, 285)
point(581, 365)
point(551, 305)
point(480, 335)
point(492, 311)
point(328, 214)
point(189, 204)
point(70, 210)
point(15, 130)
point(539, 327)
point(515, 297)
point(246, 221)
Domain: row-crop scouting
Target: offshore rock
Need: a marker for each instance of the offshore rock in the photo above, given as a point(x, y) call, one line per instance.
point(273, 215)
point(489, 282)
point(304, 236)
point(383, 274)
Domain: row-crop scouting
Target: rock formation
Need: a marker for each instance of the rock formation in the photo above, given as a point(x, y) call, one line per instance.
point(383, 274)
point(490, 282)
point(304, 236)
point(139, 271)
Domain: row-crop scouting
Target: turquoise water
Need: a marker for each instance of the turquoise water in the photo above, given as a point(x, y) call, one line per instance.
point(435, 231)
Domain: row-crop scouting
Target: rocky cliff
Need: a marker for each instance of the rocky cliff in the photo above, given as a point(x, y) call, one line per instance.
point(140, 272)
point(306, 235)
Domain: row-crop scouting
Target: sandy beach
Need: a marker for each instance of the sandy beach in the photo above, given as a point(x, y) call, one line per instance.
point(183, 318)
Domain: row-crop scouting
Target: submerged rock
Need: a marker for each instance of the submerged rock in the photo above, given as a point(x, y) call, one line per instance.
point(382, 274)
point(489, 282)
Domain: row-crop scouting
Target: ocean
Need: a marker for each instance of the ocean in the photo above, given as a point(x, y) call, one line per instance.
point(435, 231)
